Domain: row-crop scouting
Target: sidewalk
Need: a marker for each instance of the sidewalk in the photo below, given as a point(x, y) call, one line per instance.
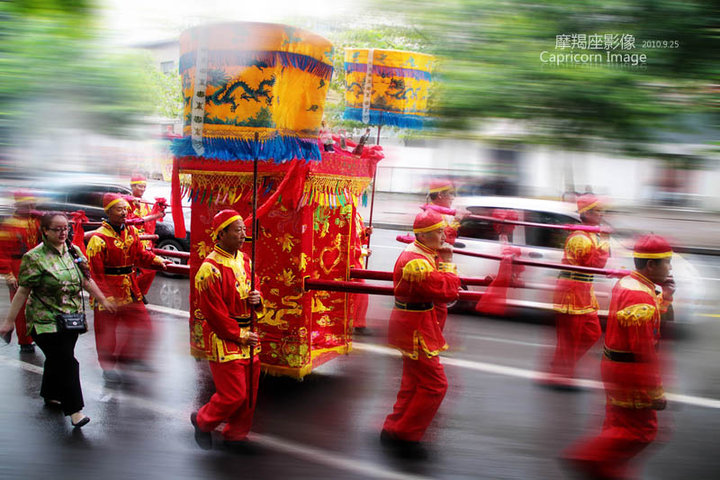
point(690, 231)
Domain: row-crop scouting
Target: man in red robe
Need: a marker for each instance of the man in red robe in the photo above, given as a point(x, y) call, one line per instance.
point(630, 366)
point(114, 251)
point(360, 253)
point(140, 209)
point(576, 317)
point(223, 284)
point(423, 277)
point(441, 193)
point(18, 234)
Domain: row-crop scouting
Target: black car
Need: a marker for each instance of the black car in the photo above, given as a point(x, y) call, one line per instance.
point(73, 195)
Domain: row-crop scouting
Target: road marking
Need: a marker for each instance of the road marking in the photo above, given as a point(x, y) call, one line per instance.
point(315, 455)
point(711, 315)
point(489, 367)
point(168, 310)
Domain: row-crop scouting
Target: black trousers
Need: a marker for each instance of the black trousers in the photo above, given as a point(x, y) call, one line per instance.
point(61, 372)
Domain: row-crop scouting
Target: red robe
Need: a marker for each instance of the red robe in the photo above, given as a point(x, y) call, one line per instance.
point(126, 335)
point(419, 281)
point(223, 283)
point(18, 235)
point(113, 258)
point(141, 209)
point(418, 277)
point(631, 374)
point(577, 323)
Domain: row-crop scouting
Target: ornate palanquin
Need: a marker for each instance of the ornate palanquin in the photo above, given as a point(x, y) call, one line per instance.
point(396, 91)
point(306, 219)
point(257, 91)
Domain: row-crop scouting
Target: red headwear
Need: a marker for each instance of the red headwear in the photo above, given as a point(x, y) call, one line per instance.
point(440, 186)
point(23, 196)
point(427, 221)
point(138, 178)
point(587, 202)
point(652, 246)
point(111, 199)
point(222, 219)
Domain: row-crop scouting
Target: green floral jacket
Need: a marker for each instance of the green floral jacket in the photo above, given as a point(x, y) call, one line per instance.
point(55, 286)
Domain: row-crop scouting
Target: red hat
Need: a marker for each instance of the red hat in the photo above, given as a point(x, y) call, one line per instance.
point(587, 202)
point(440, 186)
point(222, 219)
point(111, 199)
point(23, 196)
point(427, 221)
point(652, 246)
point(137, 178)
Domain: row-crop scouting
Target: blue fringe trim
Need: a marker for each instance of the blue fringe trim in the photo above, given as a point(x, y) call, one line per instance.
point(260, 59)
point(389, 71)
point(387, 118)
point(279, 149)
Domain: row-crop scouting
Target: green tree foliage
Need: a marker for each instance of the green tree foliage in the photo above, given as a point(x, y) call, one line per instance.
point(54, 70)
point(491, 69)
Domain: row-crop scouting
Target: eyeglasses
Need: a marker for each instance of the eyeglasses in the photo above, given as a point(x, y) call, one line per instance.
point(58, 229)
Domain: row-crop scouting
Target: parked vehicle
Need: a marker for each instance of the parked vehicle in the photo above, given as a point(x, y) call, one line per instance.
point(545, 244)
point(82, 193)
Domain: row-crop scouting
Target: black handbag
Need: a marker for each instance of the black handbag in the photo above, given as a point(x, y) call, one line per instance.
point(72, 322)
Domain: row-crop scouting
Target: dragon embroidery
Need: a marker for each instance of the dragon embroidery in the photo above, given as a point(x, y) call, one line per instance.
point(226, 94)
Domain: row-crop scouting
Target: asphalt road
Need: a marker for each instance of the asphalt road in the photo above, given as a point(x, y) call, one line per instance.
point(495, 423)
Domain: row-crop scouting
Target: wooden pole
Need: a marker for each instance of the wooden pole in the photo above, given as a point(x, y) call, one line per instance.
point(255, 236)
point(372, 199)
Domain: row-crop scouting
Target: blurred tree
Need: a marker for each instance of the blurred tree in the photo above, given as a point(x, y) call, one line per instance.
point(54, 70)
point(491, 69)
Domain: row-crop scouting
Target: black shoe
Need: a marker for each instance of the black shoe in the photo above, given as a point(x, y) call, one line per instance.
point(202, 438)
point(112, 378)
point(242, 447)
point(140, 366)
point(84, 421)
point(403, 448)
point(30, 348)
point(413, 450)
point(388, 439)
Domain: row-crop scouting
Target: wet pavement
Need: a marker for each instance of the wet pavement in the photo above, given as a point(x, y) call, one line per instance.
point(495, 423)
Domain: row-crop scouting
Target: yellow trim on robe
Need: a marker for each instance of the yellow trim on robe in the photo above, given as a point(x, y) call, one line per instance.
point(636, 315)
point(447, 268)
point(417, 270)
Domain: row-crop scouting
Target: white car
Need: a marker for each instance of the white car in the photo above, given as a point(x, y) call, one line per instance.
point(546, 245)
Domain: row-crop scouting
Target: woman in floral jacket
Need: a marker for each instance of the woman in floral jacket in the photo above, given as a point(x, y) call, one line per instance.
point(51, 278)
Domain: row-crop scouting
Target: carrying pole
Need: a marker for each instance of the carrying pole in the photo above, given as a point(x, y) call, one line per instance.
point(255, 236)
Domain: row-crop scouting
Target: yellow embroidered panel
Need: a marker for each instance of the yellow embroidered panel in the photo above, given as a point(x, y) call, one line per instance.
point(417, 270)
point(95, 246)
point(577, 246)
point(636, 315)
point(205, 276)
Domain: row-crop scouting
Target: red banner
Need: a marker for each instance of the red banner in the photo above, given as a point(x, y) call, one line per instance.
point(305, 230)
